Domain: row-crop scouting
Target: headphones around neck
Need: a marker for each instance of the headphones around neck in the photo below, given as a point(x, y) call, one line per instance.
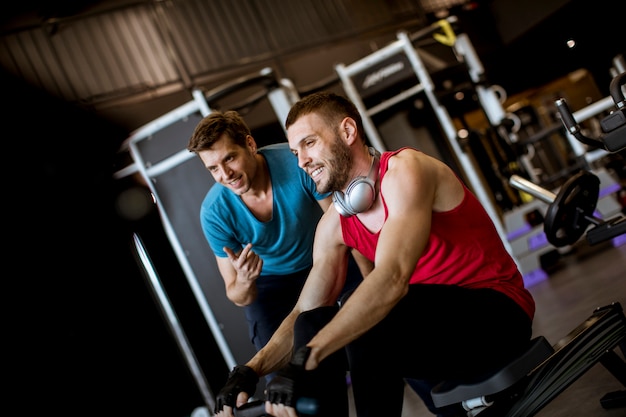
point(361, 191)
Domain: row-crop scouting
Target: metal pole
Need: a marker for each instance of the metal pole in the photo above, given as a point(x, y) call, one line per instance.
point(172, 320)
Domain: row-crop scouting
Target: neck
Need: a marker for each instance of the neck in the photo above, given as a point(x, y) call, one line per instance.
point(261, 183)
point(371, 157)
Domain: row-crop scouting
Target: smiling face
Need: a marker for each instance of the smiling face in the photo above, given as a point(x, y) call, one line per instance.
point(321, 152)
point(230, 164)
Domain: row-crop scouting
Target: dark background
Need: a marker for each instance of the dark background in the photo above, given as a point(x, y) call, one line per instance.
point(85, 336)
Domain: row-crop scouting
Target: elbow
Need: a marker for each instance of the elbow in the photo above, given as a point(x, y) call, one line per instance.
point(400, 284)
point(238, 301)
point(400, 290)
point(394, 293)
point(241, 300)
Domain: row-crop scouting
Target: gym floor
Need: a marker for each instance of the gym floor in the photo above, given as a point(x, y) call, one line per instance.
point(585, 278)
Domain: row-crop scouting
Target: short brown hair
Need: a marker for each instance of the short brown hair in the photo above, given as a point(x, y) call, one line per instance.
point(332, 107)
point(212, 127)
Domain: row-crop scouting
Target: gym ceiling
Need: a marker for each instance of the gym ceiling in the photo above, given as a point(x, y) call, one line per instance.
point(132, 61)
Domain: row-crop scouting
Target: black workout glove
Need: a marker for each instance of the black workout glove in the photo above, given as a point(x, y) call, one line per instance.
point(282, 389)
point(241, 378)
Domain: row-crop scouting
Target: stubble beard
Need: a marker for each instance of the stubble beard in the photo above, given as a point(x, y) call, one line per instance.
point(338, 167)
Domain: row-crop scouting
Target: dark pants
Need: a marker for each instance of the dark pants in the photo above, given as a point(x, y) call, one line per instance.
point(436, 332)
point(423, 388)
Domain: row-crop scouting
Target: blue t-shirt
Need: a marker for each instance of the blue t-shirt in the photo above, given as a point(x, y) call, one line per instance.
point(285, 243)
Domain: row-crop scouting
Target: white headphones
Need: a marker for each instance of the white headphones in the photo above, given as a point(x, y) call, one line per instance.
point(361, 191)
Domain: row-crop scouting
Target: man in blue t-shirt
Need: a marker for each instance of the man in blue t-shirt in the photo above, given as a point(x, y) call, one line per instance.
point(259, 219)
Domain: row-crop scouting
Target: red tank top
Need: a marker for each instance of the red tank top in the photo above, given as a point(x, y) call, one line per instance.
point(464, 248)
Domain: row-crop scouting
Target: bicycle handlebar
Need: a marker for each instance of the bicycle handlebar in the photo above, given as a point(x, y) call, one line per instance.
point(304, 406)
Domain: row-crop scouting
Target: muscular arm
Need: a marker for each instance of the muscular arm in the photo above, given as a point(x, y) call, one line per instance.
point(364, 264)
point(410, 188)
point(239, 272)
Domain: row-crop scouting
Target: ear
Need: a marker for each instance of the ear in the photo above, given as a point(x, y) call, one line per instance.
point(251, 144)
point(348, 130)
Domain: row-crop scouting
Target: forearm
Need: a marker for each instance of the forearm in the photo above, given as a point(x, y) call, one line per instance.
point(240, 283)
point(242, 292)
point(240, 272)
point(277, 351)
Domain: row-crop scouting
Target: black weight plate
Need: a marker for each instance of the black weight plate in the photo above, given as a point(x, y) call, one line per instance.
point(567, 216)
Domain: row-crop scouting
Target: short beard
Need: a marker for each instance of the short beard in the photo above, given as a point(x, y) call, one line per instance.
point(339, 166)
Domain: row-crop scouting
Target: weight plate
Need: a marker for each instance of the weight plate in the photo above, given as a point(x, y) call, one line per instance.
point(567, 217)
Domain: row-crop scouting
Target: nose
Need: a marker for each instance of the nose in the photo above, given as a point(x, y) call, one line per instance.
point(222, 173)
point(227, 172)
point(303, 159)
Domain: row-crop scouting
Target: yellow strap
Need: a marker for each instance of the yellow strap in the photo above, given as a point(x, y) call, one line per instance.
point(447, 37)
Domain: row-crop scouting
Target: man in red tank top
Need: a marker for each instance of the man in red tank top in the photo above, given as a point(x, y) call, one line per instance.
point(445, 300)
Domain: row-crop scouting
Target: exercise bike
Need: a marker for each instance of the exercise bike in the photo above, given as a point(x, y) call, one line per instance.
point(543, 371)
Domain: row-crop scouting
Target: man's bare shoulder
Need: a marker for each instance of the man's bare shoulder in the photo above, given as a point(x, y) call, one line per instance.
point(412, 162)
point(411, 154)
point(329, 225)
point(418, 175)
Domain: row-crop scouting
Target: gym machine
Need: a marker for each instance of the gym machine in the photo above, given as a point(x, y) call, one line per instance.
point(533, 252)
point(531, 239)
point(613, 125)
point(571, 211)
point(542, 372)
point(178, 183)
